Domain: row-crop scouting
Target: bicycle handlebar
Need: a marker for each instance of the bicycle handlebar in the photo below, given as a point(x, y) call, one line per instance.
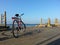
point(22, 14)
point(19, 15)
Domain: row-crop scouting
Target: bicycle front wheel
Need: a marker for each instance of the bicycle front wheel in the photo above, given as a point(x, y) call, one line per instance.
point(15, 29)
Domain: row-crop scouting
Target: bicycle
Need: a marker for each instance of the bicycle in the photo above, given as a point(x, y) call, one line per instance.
point(18, 25)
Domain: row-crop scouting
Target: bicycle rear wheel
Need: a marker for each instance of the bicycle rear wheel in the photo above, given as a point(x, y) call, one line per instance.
point(22, 27)
point(15, 29)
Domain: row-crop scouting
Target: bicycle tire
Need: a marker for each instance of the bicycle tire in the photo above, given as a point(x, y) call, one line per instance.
point(14, 30)
point(23, 28)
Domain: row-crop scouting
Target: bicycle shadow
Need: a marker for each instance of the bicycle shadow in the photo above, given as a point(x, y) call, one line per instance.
point(33, 32)
point(5, 38)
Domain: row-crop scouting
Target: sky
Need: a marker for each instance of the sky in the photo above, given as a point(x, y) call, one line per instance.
point(33, 10)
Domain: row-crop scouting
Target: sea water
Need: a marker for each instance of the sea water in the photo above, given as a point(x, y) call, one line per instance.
point(27, 25)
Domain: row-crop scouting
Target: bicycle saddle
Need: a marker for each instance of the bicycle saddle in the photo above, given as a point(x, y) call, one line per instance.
point(16, 15)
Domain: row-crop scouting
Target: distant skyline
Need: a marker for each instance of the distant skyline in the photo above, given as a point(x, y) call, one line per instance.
point(33, 10)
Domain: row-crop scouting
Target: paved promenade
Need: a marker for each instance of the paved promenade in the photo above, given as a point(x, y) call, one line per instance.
point(32, 36)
